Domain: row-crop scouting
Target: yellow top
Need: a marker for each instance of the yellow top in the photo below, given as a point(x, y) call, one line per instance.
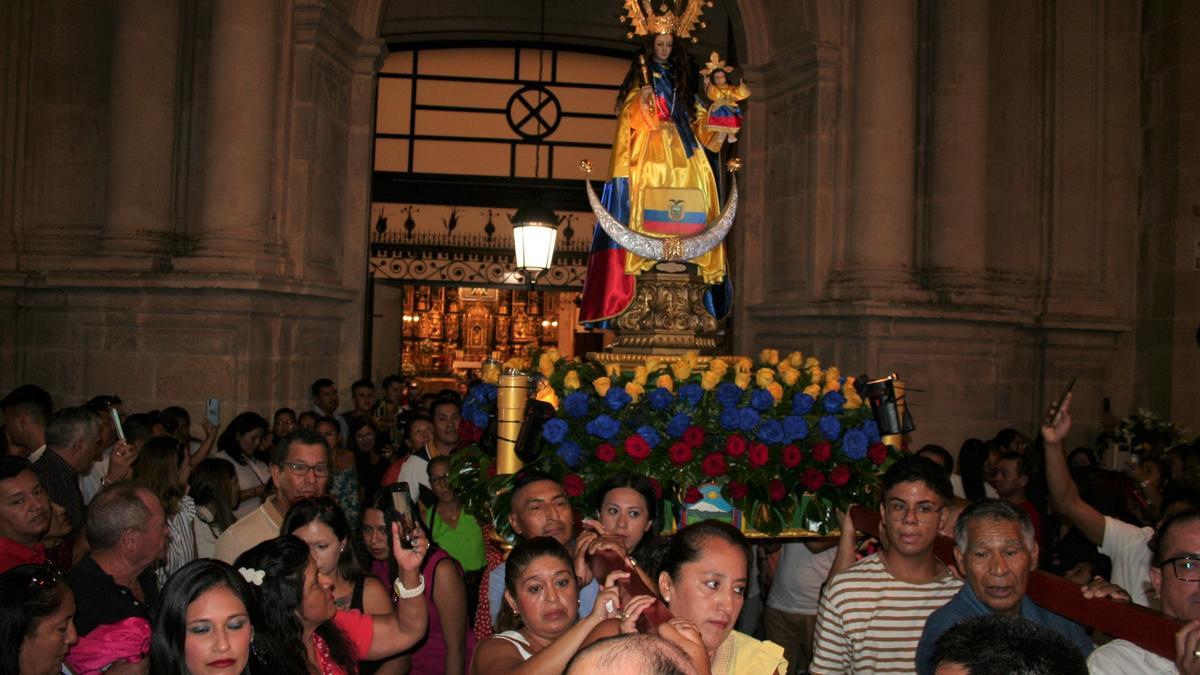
point(741, 654)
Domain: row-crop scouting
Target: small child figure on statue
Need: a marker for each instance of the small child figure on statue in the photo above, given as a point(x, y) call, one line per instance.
point(724, 115)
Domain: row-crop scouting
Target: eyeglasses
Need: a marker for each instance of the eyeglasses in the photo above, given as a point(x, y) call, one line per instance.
point(924, 513)
point(439, 478)
point(1187, 567)
point(46, 575)
point(302, 469)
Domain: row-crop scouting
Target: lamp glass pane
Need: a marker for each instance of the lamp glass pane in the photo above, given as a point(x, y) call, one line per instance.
point(534, 246)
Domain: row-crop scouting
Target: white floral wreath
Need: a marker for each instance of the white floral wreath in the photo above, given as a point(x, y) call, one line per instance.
point(252, 575)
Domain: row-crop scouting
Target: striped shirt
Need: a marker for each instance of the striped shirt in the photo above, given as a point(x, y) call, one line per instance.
point(181, 549)
point(870, 622)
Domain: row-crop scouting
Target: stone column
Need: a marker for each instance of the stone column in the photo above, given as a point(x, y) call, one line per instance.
point(879, 260)
point(958, 146)
point(145, 74)
point(239, 156)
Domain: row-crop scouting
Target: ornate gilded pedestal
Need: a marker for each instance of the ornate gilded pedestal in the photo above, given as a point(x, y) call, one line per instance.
point(667, 315)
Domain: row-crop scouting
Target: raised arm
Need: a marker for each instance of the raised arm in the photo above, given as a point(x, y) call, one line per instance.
point(1064, 494)
point(393, 633)
point(450, 598)
point(210, 437)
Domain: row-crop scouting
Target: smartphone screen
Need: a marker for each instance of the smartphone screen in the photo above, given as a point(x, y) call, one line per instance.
point(214, 411)
point(116, 418)
point(403, 506)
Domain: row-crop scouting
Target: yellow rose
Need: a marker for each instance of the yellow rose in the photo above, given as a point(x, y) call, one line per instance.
point(545, 365)
point(515, 363)
point(813, 390)
point(853, 400)
point(553, 354)
point(601, 385)
point(491, 375)
point(763, 377)
point(832, 384)
point(833, 374)
point(692, 358)
point(665, 382)
point(639, 375)
point(776, 390)
point(613, 370)
point(718, 367)
point(743, 365)
point(708, 380)
point(742, 380)
point(769, 356)
point(814, 374)
point(653, 364)
point(811, 362)
point(790, 376)
point(547, 395)
point(682, 369)
point(849, 385)
point(634, 390)
point(571, 380)
point(795, 359)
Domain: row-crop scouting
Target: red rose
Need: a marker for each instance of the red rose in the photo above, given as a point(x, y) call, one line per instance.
point(657, 488)
point(812, 479)
point(692, 495)
point(680, 454)
point(714, 465)
point(492, 470)
point(840, 475)
point(738, 490)
point(792, 456)
point(606, 453)
point(877, 453)
point(694, 436)
point(637, 447)
point(776, 490)
point(759, 456)
point(735, 445)
point(822, 451)
point(469, 433)
point(573, 485)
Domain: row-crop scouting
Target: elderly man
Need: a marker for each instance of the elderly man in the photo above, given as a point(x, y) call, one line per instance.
point(300, 469)
point(1175, 577)
point(73, 445)
point(115, 589)
point(636, 653)
point(540, 508)
point(24, 514)
point(996, 552)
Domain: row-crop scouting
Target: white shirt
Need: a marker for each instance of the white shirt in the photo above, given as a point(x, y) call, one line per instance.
point(1127, 545)
point(206, 537)
point(1120, 657)
point(798, 579)
point(415, 472)
point(250, 475)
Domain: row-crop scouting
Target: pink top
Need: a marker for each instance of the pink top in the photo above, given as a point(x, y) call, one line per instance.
point(358, 629)
point(429, 655)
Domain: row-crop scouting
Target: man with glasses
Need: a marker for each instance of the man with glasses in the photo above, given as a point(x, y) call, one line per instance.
point(872, 613)
point(299, 469)
point(1175, 576)
point(996, 551)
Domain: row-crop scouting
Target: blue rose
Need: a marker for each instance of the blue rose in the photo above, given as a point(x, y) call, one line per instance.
point(555, 430)
point(794, 428)
point(691, 392)
point(830, 427)
point(678, 424)
point(802, 404)
point(570, 454)
point(748, 418)
point(480, 419)
point(729, 393)
point(871, 429)
point(833, 402)
point(490, 392)
point(761, 400)
point(603, 426)
point(659, 399)
point(730, 419)
point(617, 398)
point(647, 432)
point(771, 431)
point(854, 444)
point(576, 404)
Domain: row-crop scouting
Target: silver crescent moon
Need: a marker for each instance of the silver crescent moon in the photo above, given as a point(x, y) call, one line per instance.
point(676, 249)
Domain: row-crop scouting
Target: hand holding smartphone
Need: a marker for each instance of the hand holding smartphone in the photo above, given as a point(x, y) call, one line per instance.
point(403, 512)
point(1053, 412)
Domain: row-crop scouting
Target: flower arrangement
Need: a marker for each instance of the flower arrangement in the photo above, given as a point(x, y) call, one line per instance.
point(786, 440)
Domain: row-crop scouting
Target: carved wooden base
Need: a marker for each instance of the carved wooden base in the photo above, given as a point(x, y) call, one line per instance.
point(667, 315)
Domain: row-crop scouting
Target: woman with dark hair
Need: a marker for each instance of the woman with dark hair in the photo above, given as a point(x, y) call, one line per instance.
point(298, 628)
point(415, 427)
point(237, 445)
point(372, 455)
point(658, 155)
point(703, 581)
point(626, 509)
point(541, 606)
point(203, 622)
point(36, 620)
point(972, 466)
point(162, 468)
point(213, 486)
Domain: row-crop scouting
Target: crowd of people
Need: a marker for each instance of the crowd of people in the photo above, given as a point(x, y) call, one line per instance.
point(130, 544)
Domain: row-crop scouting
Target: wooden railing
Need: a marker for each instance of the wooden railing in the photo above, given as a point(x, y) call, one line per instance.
point(1144, 627)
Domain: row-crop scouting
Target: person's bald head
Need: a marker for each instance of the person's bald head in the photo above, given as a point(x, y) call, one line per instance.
point(636, 653)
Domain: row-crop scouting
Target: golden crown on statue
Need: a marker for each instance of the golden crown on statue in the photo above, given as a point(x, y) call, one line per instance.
point(679, 22)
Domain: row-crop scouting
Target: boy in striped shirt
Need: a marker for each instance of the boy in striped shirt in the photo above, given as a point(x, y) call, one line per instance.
point(871, 614)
